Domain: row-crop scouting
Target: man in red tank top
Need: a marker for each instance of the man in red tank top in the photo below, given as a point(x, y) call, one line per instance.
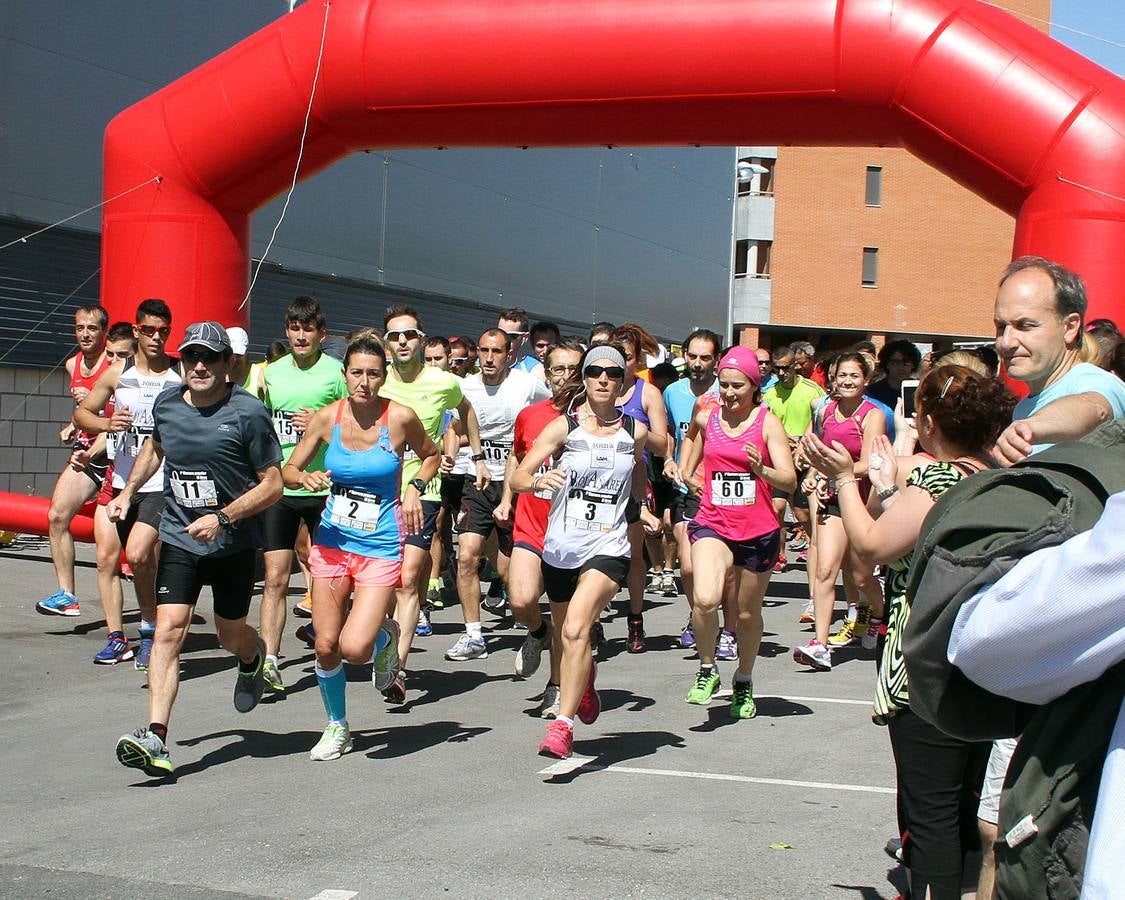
point(75, 486)
point(525, 581)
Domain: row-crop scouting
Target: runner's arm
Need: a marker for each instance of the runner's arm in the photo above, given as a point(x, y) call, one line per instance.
point(86, 414)
point(691, 451)
point(1065, 419)
point(262, 496)
point(144, 467)
point(472, 431)
point(653, 402)
point(293, 475)
point(549, 442)
point(874, 424)
point(781, 473)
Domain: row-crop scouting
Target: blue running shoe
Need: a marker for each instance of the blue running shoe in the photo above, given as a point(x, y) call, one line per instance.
point(60, 603)
point(116, 650)
point(144, 649)
point(423, 628)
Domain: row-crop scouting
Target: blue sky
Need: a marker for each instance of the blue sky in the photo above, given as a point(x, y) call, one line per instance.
point(1105, 18)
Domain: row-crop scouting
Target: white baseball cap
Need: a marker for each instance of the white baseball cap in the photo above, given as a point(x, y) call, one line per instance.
point(239, 340)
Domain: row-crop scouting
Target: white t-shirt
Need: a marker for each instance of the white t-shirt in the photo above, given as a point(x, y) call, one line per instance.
point(497, 406)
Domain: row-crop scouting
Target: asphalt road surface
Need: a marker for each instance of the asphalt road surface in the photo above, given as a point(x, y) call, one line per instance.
point(445, 795)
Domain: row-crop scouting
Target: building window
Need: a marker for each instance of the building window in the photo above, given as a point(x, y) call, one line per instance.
point(759, 182)
point(752, 259)
point(874, 193)
point(870, 266)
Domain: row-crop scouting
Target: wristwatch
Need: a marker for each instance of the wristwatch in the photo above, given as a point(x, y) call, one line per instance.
point(419, 485)
point(477, 457)
point(224, 521)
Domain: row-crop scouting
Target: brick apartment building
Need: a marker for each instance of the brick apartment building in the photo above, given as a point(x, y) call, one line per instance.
point(841, 244)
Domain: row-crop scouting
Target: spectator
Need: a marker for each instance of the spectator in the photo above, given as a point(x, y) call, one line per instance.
point(601, 333)
point(899, 360)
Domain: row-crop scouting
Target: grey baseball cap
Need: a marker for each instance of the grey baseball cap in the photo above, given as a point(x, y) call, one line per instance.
point(211, 335)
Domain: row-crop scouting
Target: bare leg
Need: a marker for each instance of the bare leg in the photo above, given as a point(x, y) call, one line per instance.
point(751, 590)
point(72, 490)
point(172, 623)
point(525, 587)
point(986, 884)
point(711, 560)
point(408, 598)
point(637, 569)
point(469, 548)
point(275, 595)
point(594, 588)
point(142, 553)
point(832, 543)
point(109, 581)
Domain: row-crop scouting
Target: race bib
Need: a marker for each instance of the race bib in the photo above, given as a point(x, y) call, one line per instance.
point(133, 438)
point(355, 509)
point(409, 455)
point(589, 510)
point(286, 431)
point(733, 488)
point(496, 452)
point(193, 490)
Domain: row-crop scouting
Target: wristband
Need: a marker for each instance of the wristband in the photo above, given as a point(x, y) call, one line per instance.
point(477, 457)
point(887, 493)
point(840, 484)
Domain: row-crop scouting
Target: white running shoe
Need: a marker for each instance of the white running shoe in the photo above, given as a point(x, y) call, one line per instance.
point(467, 648)
point(334, 743)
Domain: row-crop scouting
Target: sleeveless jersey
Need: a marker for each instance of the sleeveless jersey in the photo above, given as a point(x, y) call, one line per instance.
point(635, 406)
point(361, 515)
point(587, 516)
point(137, 392)
point(849, 433)
point(736, 503)
point(530, 523)
point(83, 439)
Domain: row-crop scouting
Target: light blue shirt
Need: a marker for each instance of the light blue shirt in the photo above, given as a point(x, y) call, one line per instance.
point(1083, 378)
point(526, 363)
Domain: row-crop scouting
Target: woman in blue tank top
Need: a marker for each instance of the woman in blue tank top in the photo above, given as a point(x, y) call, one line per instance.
point(358, 549)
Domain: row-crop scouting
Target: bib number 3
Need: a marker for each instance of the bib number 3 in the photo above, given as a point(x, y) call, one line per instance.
point(591, 510)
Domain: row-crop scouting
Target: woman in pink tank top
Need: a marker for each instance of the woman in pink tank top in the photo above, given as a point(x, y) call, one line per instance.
point(745, 455)
point(851, 422)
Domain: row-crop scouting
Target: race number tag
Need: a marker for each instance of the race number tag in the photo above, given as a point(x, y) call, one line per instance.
point(409, 455)
point(733, 488)
point(193, 490)
point(496, 452)
point(601, 455)
point(355, 509)
point(589, 510)
point(286, 431)
point(133, 439)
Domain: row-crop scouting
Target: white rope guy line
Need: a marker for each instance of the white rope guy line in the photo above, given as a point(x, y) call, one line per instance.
point(23, 240)
point(300, 155)
point(1086, 187)
point(1054, 24)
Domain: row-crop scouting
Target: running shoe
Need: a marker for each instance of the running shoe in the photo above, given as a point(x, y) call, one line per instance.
point(60, 603)
point(433, 594)
point(781, 565)
point(852, 628)
point(803, 557)
point(590, 706)
point(395, 692)
point(307, 634)
point(808, 617)
point(893, 849)
point(814, 654)
point(799, 543)
point(530, 653)
point(248, 686)
point(549, 708)
point(597, 636)
point(668, 585)
point(742, 705)
point(635, 641)
point(467, 648)
point(653, 581)
point(303, 609)
point(144, 649)
point(704, 686)
point(271, 678)
point(727, 647)
point(559, 741)
point(870, 639)
point(145, 751)
point(334, 743)
point(496, 600)
point(385, 661)
point(423, 628)
point(687, 636)
point(116, 650)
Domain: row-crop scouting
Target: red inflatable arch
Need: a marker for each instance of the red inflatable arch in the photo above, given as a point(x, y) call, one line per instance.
point(1002, 108)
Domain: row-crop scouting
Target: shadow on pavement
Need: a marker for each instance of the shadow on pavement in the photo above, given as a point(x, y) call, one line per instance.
point(406, 739)
point(436, 686)
point(620, 747)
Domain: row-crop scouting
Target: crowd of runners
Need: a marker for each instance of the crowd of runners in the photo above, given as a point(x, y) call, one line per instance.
point(402, 469)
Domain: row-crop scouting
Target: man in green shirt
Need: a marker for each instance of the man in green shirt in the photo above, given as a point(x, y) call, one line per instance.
point(792, 399)
point(432, 394)
point(297, 385)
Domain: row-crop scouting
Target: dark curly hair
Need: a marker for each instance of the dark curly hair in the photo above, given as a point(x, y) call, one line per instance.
point(970, 409)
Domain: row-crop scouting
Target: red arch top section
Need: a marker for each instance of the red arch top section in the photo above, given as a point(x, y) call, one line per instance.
point(999, 106)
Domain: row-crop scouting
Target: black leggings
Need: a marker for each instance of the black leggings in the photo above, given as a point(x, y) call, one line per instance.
point(939, 781)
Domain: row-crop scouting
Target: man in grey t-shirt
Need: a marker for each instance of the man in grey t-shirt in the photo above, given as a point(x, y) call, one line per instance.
point(221, 468)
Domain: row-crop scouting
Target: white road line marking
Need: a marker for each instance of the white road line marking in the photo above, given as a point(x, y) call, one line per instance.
point(566, 766)
point(817, 700)
point(335, 895)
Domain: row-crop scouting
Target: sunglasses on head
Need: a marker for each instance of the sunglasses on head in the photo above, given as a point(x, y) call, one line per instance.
point(409, 334)
point(191, 356)
point(150, 330)
point(616, 373)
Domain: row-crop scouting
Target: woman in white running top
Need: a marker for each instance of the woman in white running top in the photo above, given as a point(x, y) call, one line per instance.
point(597, 484)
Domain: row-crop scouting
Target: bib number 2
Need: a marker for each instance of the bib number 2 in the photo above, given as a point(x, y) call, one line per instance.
point(355, 509)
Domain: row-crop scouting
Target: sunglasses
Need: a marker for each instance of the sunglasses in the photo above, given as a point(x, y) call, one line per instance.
point(150, 330)
point(434, 358)
point(207, 357)
point(781, 370)
point(515, 334)
point(408, 334)
point(458, 360)
point(616, 373)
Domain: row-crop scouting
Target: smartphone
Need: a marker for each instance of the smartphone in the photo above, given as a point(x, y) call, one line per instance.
point(909, 389)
